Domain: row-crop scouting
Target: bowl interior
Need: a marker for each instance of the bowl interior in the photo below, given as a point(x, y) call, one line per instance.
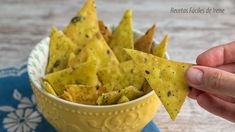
point(37, 63)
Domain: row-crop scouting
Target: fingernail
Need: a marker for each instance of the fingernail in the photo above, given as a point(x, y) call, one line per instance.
point(194, 76)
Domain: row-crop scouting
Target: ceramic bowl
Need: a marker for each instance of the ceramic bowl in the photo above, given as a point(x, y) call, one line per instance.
point(68, 116)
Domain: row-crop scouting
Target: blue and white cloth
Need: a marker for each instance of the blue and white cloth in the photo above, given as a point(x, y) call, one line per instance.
point(18, 110)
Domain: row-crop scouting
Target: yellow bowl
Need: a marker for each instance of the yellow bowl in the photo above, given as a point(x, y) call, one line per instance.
point(73, 117)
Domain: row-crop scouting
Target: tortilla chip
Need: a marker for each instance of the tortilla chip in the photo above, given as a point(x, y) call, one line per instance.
point(165, 77)
point(117, 77)
point(123, 99)
point(160, 50)
point(73, 61)
point(102, 52)
point(59, 49)
point(144, 43)
point(48, 88)
point(67, 96)
point(82, 94)
point(109, 77)
point(123, 37)
point(84, 74)
point(146, 88)
point(109, 98)
point(131, 92)
point(113, 97)
point(105, 32)
point(84, 25)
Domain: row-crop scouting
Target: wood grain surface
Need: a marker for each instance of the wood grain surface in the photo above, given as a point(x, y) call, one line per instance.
point(23, 23)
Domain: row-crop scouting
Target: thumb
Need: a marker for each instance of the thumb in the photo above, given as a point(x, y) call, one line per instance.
point(211, 80)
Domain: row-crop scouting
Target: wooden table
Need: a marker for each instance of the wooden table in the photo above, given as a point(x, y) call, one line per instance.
point(24, 22)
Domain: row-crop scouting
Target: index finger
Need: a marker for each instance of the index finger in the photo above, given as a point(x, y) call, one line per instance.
point(223, 54)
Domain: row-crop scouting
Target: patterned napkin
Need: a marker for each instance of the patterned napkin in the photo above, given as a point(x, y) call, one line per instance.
point(18, 110)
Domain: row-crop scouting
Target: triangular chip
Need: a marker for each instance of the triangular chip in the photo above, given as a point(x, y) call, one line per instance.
point(113, 97)
point(123, 99)
point(84, 25)
point(123, 37)
point(160, 50)
point(131, 92)
point(144, 43)
point(146, 88)
point(165, 77)
point(82, 94)
point(104, 55)
point(109, 98)
point(57, 79)
point(59, 49)
point(117, 77)
point(105, 32)
point(84, 74)
point(73, 60)
point(48, 88)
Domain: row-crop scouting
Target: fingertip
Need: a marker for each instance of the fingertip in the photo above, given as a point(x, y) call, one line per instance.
point(200, 59)
point(212, 57)
point(205, 59)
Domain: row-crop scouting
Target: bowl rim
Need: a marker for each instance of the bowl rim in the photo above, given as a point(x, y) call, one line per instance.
point(85, 105)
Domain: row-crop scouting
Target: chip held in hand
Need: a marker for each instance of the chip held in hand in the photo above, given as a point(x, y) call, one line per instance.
point(165, 77)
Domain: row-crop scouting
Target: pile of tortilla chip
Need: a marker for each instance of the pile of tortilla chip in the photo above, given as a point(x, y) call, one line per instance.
point(90, 64)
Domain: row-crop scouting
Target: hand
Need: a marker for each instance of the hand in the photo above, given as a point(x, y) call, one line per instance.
point(213, 81)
